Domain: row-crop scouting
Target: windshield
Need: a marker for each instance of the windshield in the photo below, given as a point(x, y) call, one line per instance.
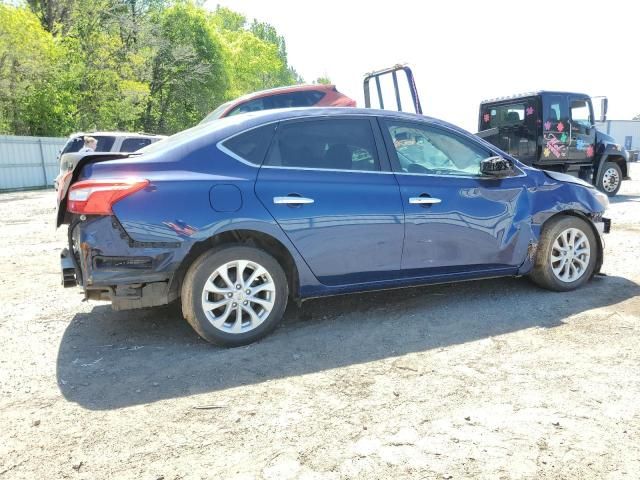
point(216, 113)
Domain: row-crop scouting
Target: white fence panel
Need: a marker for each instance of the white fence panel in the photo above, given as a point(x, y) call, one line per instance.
point(28, 162)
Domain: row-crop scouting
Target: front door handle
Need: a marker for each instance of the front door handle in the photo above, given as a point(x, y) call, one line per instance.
point(292, 200)
point(424, 200)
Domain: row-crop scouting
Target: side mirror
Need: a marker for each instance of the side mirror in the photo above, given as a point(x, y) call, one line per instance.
point(496, 167)
point(604, 104)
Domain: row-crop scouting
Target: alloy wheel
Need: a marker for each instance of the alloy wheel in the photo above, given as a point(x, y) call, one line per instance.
point(570, 255)
point(238, 296)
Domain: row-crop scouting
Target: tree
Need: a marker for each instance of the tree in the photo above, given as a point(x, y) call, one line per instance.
point(158, 65)
point(637, 117)
point(188, 75)
point(253, 63)
point(228, 20)
point(323, 80)
point(32, 97)
point(52, 13)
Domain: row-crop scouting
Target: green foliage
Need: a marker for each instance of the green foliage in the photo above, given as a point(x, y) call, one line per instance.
point(29, 97)
point(157, 65)
point(323, 80)
point(188, 74)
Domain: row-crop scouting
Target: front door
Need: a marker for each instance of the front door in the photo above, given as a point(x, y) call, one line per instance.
point(330, 190)
point(556, 134)
point(457, 222)
point(583, 131)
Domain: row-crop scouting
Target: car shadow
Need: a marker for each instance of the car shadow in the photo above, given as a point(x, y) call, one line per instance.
point(624, 198)
point(109, 360)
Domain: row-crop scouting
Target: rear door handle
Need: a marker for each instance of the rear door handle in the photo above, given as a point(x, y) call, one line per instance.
point(292, 200)
point(424, 200)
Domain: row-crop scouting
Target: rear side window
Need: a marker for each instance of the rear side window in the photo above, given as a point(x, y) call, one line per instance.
point(333, 144)
point(133, 144)
point(75, 145)
point(105, 143)
point(251, 145)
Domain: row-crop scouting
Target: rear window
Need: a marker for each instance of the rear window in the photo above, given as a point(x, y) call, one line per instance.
point(508, 115)
point(252, 145)
point(133, 144)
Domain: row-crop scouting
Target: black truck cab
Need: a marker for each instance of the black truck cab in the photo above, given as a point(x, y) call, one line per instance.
point(555, 131)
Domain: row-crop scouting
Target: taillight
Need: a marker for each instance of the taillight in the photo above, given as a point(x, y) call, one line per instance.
point(96, 197)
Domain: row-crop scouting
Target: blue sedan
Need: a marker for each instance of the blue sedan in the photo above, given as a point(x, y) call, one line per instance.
point(238, 217)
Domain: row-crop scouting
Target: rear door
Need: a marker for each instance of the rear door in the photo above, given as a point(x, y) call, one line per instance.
point(328, 185)
point(457, 222)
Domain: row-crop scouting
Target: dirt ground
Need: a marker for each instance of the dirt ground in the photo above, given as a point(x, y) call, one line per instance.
point(490, 379)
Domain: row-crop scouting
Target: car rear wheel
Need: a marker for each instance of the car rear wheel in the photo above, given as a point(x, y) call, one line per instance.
point(234, 295)
point(611, 179)
point(566, 255)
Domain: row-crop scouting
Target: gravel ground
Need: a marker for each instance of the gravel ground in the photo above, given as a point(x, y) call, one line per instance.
point(489, 379)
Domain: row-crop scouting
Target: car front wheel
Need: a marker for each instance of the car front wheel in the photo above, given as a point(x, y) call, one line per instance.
point(234, 295)
point(566, 256)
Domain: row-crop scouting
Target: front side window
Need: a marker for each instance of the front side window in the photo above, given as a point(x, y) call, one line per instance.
point(334, 144)
point(217, 113)
point(250, 106)
point(581, 113)
point(424, 149)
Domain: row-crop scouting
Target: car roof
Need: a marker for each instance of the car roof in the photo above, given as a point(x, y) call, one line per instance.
point(290, 88)
point(223, 128)
point(246, 121)
point(116, 134)
point(518, 96)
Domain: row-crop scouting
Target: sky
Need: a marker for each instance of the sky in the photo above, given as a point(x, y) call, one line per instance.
point(464, 52)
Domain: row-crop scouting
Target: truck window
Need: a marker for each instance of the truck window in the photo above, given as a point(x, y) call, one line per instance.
point(517, 126)
point(505, 115)
point(580, 113)
point(555, 112)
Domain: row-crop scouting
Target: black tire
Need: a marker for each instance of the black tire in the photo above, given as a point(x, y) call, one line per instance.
point(610, 170)
point(200, 271)
point(542, 273)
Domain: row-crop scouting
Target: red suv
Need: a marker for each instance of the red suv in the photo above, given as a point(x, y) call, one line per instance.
point(283, 97)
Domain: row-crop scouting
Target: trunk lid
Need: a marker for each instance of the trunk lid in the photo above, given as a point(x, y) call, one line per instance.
point(74, 163)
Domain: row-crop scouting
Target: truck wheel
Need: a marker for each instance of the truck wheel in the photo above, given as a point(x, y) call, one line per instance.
point(610, 179)
point(566, 256)
point(234, 295)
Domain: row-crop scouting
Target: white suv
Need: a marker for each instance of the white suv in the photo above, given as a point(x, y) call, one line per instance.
point(107, 142)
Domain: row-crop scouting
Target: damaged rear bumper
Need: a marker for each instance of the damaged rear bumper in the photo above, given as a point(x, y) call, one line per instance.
point(118, 269)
